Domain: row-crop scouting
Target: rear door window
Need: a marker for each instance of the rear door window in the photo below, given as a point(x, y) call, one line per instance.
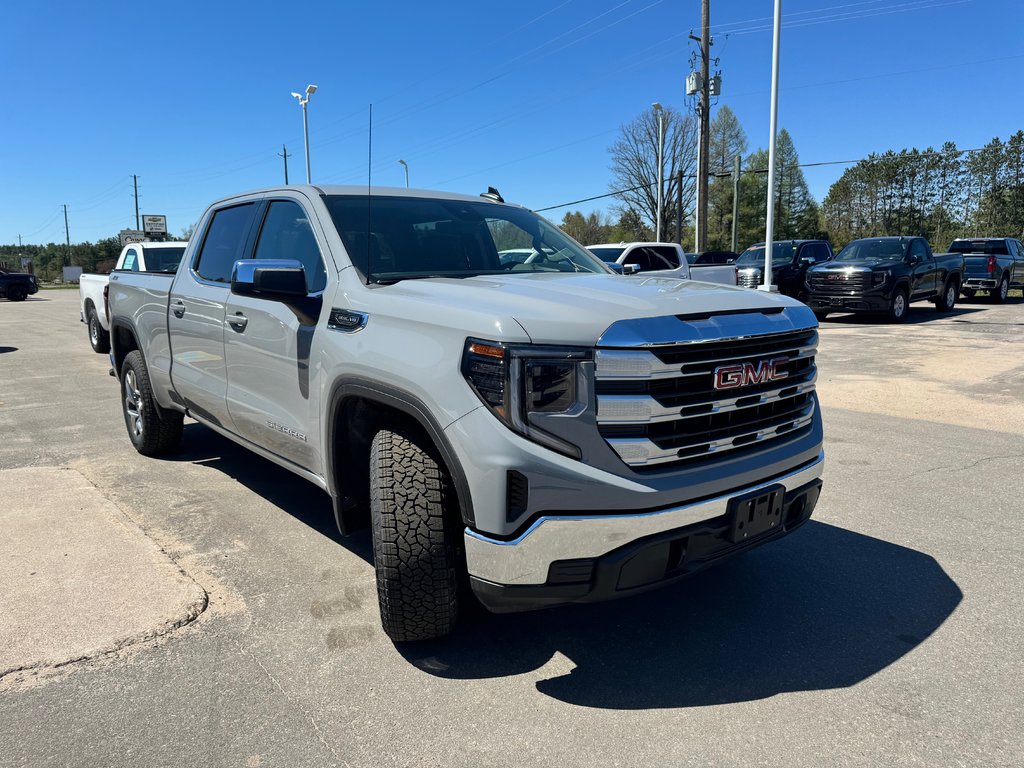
point(665, 256)
point(222, 246)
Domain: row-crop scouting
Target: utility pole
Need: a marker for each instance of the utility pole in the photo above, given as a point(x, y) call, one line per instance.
point(679, 207)
point(705, 126)
point(67, 232)
point(135, 183)
point(736, 204)
point(660, 114)
point(285, 155)
point(769, 235)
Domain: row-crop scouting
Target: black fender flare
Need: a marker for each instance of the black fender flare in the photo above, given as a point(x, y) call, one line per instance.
point(398, 399)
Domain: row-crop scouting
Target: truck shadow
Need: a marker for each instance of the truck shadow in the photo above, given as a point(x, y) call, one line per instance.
point(825, 608)
point(285, 490)
point(917, 314)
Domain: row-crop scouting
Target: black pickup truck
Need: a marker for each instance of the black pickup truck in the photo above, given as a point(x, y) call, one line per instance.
point(17, 286)
point(884, 275)
point(790, 261)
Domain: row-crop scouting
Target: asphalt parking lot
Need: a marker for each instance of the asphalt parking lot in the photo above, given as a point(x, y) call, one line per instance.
point(888, 631)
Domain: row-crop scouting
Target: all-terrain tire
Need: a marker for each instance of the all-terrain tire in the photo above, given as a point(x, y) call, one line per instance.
point(947, 300)
point(99, 339)
point(415, 550)
point(152, 429)
point(17, 293)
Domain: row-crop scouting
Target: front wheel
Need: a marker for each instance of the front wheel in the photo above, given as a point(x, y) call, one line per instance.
point(17, 293)
point(152, 429)
point(947, 300)
point(897, 307)
point(98, 338)
point(415, 550)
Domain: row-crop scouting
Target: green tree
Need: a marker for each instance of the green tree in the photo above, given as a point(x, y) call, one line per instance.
point(728, 140)
point(588, 230)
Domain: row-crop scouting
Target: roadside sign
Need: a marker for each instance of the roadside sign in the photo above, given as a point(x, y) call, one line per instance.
point(154, 225)
point(132, 236)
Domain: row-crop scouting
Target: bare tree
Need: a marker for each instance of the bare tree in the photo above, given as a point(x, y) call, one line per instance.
point(634, 167)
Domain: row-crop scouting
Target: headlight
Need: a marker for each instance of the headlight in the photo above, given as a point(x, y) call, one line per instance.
point(520, 382)
point(879, 278)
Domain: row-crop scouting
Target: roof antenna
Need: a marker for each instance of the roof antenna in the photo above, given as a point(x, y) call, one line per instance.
point(369, 191)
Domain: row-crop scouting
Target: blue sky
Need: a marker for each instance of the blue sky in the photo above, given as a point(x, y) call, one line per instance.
point(524, 96)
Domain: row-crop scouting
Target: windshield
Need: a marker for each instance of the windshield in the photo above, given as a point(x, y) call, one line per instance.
point(164, 259)
point(987, 247)
point(411, 237)
point(872, 250)
point(782, 253)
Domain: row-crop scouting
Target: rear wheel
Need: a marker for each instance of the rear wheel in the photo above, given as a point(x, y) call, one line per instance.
point(98, 338)
point(152, 429)
point(947, 300)
point(897, 306)
point(415, 549)
point(1000, 293)
point(17, 292)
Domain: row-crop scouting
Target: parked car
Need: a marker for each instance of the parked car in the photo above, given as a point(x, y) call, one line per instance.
point(17, 286)
point(993, 264)
point(134, 257)
point(790, 261)
point(659, 260)
point(548, 433)
point(884, 275)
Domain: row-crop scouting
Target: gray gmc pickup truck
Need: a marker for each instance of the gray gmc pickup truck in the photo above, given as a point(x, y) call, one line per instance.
point(545, 432)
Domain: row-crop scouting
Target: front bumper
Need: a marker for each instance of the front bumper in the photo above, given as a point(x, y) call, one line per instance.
point(876, 301)
point(564, 559)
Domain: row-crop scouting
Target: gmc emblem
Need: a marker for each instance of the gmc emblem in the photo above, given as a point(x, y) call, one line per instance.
point(745, 374)
point(835, 276)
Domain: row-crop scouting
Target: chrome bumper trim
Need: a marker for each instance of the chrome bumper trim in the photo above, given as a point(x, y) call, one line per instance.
point(526, 560)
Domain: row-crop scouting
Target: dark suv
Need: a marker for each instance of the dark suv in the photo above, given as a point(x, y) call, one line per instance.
point(17, 286)
point(790, 261)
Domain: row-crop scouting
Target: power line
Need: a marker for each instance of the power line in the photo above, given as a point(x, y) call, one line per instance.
point(750, 170)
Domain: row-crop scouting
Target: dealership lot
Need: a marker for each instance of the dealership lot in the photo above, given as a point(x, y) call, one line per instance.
point(887, 631)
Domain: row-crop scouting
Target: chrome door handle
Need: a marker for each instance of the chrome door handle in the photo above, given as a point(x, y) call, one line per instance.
point(238, 321)
point(178, 308)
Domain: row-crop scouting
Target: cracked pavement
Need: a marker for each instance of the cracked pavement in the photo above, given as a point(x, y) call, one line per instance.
point(888, 631)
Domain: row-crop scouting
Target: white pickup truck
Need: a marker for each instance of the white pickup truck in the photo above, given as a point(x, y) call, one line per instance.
point(135, 257)
point(661, 260)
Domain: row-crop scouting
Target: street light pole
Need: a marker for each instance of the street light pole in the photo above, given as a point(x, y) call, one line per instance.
point(304, 100)
point(406, 166)
point(661, 165)
point(769, 235)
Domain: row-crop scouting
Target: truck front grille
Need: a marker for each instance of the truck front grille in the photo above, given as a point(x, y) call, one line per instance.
point(840, 283)
point(659, 408)
point(748, 278)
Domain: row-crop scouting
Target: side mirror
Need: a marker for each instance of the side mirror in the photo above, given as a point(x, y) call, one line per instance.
point(630, 269)
point(269, 278)
point(913, 259)
point(806, 261)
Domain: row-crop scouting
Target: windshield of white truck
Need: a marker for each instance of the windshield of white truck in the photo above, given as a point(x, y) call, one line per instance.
point(782, 253)
point(873, 250)
point(404, 238)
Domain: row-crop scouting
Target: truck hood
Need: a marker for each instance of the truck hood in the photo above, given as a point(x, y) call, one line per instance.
point(856, 266)
point(577, 309)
